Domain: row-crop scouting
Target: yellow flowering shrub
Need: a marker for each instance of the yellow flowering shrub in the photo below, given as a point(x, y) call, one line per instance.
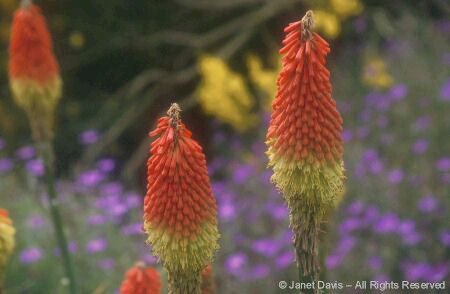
point(330, 14)
point(224, 94)
point(264, 79)
point(376, 74)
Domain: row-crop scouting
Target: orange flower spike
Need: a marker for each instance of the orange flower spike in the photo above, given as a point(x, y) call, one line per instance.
point(180, 211)
point(7, 241)
point(141, 280)
point(304, 141)
point(33, 69)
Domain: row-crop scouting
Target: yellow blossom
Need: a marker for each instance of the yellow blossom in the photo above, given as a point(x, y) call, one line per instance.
point(376, 74)
point(347, 8)
point(76, 40)
point(264, 79)
point(328, 23)
point(224, 94)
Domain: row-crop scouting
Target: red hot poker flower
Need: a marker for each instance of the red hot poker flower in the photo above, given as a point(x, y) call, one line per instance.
point(180, 210)
point(141, 280)
point(33, 69)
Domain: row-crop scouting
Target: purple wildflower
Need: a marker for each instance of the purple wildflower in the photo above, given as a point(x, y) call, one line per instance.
point(36, 167)
point(31, 255)
point(445, 91)
point(97, 245)
point(396, 176)
point(260, 271)
point(26, 152)
point(106, 165)
point(6, 164)
point(89, 137)
point(443, 164)
point(235, 263)
point(428, 204)
point(106, 264)
point(420, 146)
point(133, 229)
point(285, 259)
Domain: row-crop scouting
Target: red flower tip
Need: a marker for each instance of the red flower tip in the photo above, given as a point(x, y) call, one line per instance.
point(179, 195)
point(305, 122)
point(141, 280)
point(31, 49)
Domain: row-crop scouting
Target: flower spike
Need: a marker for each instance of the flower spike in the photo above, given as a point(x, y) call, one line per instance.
point(141, 280)
point(180, 211)
point(304, 141)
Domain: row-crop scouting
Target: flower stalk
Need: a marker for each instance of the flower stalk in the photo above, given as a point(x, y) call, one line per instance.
point(37, 88)
point(304, 140)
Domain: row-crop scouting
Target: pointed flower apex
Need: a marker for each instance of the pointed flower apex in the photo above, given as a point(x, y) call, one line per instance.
point(180, 212)
point(7, 241)
point(304, 136)
point(33, 69)
point(141, 279)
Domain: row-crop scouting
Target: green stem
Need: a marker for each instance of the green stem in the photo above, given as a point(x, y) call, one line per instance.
point(45, 149)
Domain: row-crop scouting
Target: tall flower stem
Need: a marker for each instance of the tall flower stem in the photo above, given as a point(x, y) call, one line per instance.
point(45, 149)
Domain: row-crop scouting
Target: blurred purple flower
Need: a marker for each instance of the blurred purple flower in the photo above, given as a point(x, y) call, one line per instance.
point(97, 219)
point(381, 278)
point(412, 239)
point(375, 262)
point(420, 146)
point(387, 223)
point(416, 271)
point(406, 227)
point(31, 255)
point(89, 137)
point(428, 204)
point(267, 247)
point(347, 135)
point(118, 209)
point(133, 200)
point(356, 207)
point(396, 176)
point(260, 271)
point(285, 259)
point(133, 229)
point(6, 164)
point(235, 263)
point(227, 210)
point(73, 246)
point(350, 224)
point(242, 173)
point(445, 237)
point(35, 222)
point(112, 188)
point(91, 178)
point(277, 211)
point(376, 167)
point(36, 167)
point(445, 91)
point(150, 259)
point(443, 164)
point(333, 261)
point(26, 152)
point(97, 245)
point(106, 165)
point(106, 264)
point(438, 273)
point(398, 92)
point(346, 244)
point(372, 214)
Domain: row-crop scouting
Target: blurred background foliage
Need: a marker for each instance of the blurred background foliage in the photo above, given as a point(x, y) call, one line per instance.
point(124, 62)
